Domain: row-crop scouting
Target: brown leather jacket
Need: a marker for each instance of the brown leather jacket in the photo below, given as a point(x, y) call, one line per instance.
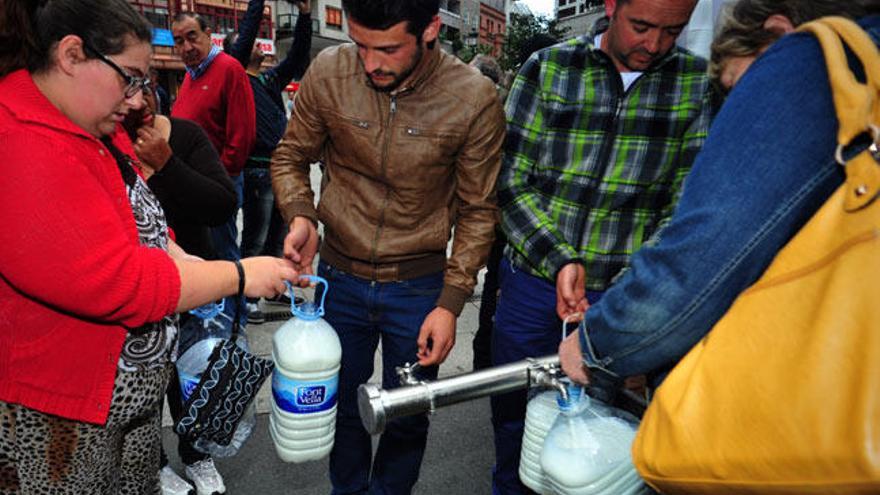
point(402, 168)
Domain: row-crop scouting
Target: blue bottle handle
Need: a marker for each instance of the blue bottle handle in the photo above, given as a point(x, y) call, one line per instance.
point(208, 311)
point(297, 309)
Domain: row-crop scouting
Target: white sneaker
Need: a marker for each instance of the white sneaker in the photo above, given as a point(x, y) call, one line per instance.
point(206, 478)
point(172, 483)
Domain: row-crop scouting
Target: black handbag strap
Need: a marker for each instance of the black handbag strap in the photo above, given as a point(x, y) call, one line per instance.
point(235, 326)
point(123, 161)
point(238, 299)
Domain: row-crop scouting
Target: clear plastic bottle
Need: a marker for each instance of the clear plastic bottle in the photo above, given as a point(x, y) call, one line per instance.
point(190, 366)
point(541, 412)
point(307, 356)
point(587, 451)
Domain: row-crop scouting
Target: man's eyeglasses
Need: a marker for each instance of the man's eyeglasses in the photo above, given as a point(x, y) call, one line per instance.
point(133, 84)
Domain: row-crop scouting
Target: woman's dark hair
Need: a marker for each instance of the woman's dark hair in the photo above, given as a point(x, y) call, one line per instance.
point(32, 28)
point(382, 14)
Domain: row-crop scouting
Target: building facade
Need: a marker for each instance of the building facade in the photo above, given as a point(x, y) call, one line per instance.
point(578, 16)
point(493, 25)
point(476, 24)
point(222, 16)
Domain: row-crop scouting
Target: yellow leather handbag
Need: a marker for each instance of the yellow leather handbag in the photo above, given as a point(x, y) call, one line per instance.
point(783, 395)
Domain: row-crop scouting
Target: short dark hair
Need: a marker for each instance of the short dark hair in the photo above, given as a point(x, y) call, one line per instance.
point(488, 66)
point(180, 16)
point(382, 14)
point(34, 30)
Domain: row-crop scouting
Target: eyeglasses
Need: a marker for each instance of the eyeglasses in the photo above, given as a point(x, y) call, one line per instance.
point(133, 84)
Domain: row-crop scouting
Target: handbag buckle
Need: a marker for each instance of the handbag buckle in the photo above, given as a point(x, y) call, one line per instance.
point(873, 149)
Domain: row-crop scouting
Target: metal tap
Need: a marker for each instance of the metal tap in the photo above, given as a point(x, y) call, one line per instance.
point(407, 374)
point(548, 375)
point(415, 396)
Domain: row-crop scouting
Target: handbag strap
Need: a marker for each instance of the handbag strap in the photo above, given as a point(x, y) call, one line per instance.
point(238, 299)
point(857, 104)
point(235, 325)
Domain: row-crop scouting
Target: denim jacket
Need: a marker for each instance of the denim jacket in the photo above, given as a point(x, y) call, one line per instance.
point(765, 169)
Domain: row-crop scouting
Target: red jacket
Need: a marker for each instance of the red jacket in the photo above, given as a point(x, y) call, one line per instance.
point(221, 101)
point(73, 276)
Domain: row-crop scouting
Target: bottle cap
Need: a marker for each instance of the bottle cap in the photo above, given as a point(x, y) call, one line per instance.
point(308, 311)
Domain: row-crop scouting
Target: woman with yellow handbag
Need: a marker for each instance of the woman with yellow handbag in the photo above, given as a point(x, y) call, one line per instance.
point(775, 248)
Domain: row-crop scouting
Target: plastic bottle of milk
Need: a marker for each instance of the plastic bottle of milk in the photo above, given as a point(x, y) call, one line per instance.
point(541, 412)
point(587, 451)
point(307, 353)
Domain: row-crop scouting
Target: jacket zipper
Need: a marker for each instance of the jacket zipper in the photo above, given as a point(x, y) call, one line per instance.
point(388, 135)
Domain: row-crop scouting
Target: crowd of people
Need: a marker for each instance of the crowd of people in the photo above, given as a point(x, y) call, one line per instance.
point(609, 182)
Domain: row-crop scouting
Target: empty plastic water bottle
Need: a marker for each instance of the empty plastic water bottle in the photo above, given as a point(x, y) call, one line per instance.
point(190, 366)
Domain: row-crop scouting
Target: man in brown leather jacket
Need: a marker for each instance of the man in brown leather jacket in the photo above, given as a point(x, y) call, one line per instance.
point(411, 141)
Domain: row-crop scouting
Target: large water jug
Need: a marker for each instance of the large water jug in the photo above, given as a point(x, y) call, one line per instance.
point(541, 412)
point(208, 327)
point(587, 451)
point(307, 353)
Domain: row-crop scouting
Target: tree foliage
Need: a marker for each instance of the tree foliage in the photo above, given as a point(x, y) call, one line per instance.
point(468, 53)
point(527, 34)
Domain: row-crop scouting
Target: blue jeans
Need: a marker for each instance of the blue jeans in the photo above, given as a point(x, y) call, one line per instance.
point(363, 312)
point(225, 237)
point(526, 325)
point(263, 228)
point(225, 240)
point(758, 179)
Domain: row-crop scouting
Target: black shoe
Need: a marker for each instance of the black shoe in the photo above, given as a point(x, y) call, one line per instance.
point(254, 314)
point(282, 300)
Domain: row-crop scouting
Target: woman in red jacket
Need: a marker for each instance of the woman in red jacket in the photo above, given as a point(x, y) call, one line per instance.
point(89, 280)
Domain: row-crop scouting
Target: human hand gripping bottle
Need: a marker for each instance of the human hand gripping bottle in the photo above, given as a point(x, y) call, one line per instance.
point(587, 450)
point(307, 354)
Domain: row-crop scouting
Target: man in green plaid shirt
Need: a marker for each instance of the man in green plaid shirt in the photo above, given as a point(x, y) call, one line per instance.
point(601, 132)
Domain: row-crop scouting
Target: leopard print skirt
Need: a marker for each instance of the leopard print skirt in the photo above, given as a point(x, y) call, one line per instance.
point(45, 454)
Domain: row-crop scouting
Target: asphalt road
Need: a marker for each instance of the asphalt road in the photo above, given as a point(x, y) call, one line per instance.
point(458, 459)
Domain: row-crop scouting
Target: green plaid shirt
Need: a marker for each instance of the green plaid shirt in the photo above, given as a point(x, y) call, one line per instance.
point(590, 170)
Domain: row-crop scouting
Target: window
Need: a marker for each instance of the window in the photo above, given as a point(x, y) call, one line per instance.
point(156, 11)
point(333, 17)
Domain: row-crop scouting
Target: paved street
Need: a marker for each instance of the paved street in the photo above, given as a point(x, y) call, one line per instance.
point(458, 459)
point(460, 452)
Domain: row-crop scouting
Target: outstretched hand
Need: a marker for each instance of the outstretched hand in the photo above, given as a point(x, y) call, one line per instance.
point(265, 275)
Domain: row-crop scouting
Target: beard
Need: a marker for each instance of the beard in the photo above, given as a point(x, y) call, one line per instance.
point(397, 77)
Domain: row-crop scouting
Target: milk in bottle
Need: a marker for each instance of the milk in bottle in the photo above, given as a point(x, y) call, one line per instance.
point(307, 353)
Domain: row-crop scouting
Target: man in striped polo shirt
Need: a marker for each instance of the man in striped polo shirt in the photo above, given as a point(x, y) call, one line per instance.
point(601, 132)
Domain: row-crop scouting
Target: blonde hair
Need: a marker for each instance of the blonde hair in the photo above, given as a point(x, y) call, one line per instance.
point(742, 33)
